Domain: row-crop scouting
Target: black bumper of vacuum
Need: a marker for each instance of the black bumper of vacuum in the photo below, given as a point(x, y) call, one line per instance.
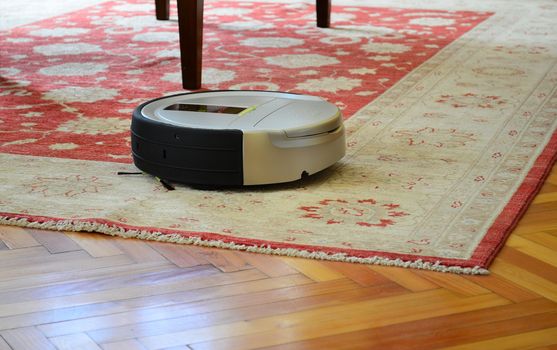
point(188, 155)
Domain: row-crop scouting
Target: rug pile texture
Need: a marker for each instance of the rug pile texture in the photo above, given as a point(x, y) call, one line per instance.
point(451, 119)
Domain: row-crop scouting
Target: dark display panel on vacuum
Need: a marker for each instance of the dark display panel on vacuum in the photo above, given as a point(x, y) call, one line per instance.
point(204, 108)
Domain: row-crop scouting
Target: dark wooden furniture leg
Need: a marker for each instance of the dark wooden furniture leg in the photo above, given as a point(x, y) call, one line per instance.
point(323, 10)
point(190, 23)
point(162, 9)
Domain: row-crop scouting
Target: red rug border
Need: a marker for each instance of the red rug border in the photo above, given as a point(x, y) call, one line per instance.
point(210, 236)
point(510, 216)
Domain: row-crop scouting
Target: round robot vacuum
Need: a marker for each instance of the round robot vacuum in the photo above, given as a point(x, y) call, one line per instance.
point(236, 137)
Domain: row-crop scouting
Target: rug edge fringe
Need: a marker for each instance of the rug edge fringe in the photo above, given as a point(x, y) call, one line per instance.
point(85, 226)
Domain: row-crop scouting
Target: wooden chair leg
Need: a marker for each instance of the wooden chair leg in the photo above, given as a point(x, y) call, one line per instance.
point(162, 9)
point(323, 10)
point(190, 23)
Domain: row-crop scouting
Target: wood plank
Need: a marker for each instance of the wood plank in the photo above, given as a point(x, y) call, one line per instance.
point(201, 277)
point(178, 254)
point(16, 237)
point(545, 198)
point(317, 270)
point(224, 260)
point(13, 257)
point(498, 330)
point(529, 262)
point(131, 344)
point(406, 278)
point(360, 274)
point(234, 260)
point(26, 339)
point(79, 341)
point(528, 247)
point(505, 288)
point(96, 244)
point(543, 208)
point(545, 239)
point(330, 325)
point(252, 308)
point(31, 257)
point(270, 265)
point(55, 277)
point(552, 177)
point(525, 278)
point(456, 283)
point(548, 347)
point(536, 222)
point(139, 279)
point(444, 331)
point(4, 345)
point(66, 262)
point(140, 251)
point(54, 241)
point(106, 307)
point(205, 300)
point(302, 325)
point(542, 337)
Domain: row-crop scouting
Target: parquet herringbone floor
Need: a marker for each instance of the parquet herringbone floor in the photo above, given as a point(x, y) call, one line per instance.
point(89, 291)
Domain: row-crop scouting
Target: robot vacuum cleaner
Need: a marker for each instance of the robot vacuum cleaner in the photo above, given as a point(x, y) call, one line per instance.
point(236, 137)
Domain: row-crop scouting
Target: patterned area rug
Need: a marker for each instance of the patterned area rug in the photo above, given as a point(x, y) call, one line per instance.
point(450, 122)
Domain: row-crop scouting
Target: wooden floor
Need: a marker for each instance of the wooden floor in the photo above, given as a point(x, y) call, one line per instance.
point(88, 291)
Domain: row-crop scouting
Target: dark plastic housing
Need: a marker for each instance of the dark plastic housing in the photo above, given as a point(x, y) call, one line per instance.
point(187, 155)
